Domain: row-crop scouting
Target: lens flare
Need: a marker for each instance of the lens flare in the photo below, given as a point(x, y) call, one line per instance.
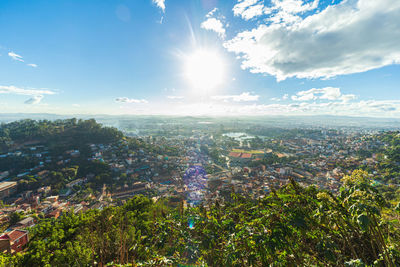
point(191, 223)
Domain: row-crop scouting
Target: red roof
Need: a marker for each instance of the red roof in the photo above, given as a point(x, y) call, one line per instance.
point(55, 213)
point(14, 235)
point(245, 156)
point(234, 154)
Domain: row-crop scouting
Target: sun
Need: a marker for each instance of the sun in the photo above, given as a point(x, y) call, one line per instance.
point(204, 70)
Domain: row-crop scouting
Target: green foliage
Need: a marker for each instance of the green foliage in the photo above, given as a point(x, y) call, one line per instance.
point(57, 132)
point(293, 226)
point(15, 217)
point(9, 260)
point(56, 137)
point(270, 159)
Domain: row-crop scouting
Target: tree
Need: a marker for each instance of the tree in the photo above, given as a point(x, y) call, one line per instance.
point(15, 217)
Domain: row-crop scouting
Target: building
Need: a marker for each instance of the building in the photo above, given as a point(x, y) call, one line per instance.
point(13, 241)
point(27, 222)
point(54, 214)
point(75, 182)
point(52, 199)
point(246, 156)
point(7, 189)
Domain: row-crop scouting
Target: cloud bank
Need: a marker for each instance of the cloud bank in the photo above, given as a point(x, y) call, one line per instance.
point(36, 94)
point(350, 37)
point(21, 91)
point(327, 93)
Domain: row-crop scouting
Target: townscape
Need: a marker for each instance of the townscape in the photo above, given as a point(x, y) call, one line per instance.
point(200, 133)
point(201, 165)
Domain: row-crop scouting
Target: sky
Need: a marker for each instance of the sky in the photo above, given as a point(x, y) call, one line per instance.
point(200, 57)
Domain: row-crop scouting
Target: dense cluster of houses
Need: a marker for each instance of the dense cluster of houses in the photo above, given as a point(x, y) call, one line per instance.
point(316, 161)
point(319, 161)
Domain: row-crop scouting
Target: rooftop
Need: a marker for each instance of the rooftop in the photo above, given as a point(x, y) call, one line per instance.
point(25, 221)
point(245, 155)
point(6, 185)
point(14, 235)
point(234, 154)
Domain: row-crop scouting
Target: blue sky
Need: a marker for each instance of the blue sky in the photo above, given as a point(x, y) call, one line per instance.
point(201, 57)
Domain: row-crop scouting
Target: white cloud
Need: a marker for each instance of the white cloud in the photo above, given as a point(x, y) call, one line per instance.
point(294, 6)
point(212, 12)
point(21, 91)
point(349, 37)
point(243, 97)
point(175, 97)
point(213, 24)
point(131, 100)
point(372, 108)
point(34, 100)
point(248, 9)
point(285, 11)
point(160, 4)
point(304, 96)
point(346, 98)
point(288, 12)
point(327, 93)
point(284, 97)
point(15, 56)
point(36, 94)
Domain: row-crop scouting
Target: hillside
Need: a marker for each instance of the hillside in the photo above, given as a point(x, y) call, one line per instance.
point(293, 226)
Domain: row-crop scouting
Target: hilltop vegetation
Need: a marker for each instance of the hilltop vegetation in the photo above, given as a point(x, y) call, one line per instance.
point(69, 131)
point(293, 226)
point(56, 137)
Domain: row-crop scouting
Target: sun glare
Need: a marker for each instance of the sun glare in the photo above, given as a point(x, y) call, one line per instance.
point(204, 70)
